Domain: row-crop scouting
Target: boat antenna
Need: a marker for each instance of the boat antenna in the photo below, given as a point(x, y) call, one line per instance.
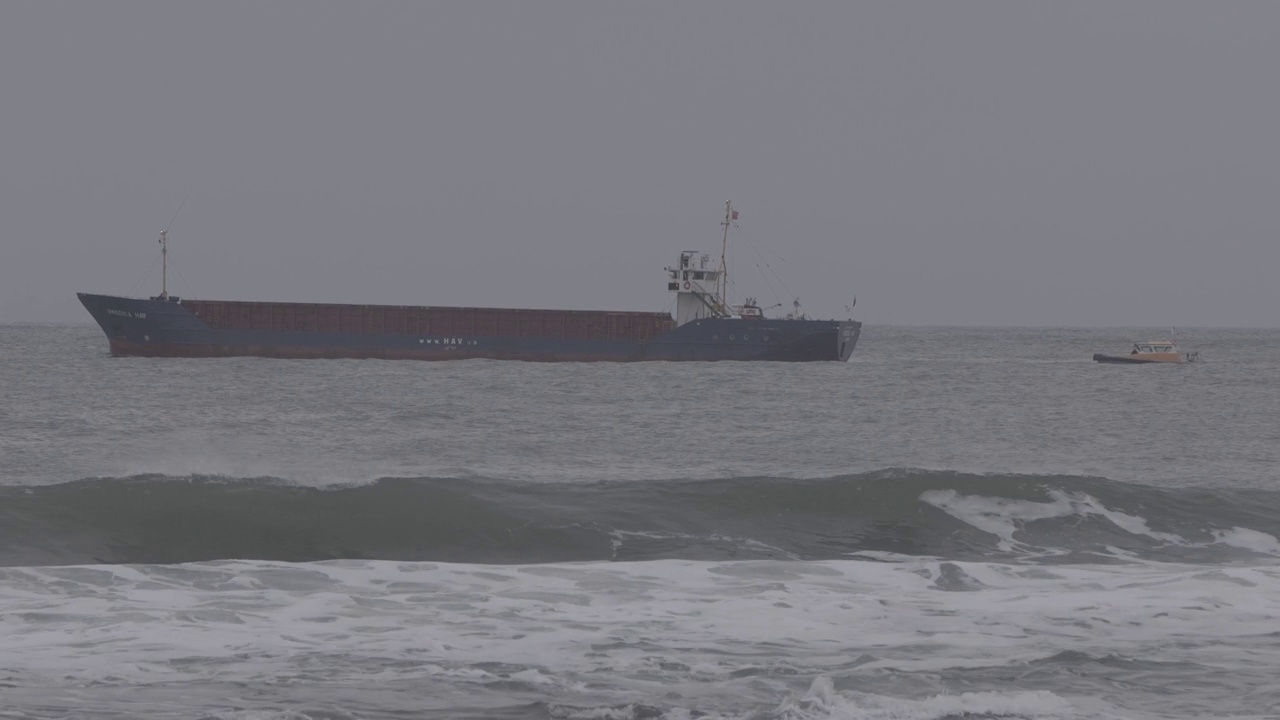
point(164, 251)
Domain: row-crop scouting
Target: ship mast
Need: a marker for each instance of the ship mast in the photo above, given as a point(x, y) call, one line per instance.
point(164, 251)
point(722, 287)
point(164, 264)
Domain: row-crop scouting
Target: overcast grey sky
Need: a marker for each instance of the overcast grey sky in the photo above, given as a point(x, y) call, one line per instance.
point(1104, 162)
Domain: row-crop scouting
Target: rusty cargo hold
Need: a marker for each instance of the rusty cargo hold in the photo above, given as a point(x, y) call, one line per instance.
point(430, 321)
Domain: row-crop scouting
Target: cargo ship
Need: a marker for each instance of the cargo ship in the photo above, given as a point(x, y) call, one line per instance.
point(703, 327)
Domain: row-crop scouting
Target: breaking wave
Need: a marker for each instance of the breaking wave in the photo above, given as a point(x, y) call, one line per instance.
point(878, 515)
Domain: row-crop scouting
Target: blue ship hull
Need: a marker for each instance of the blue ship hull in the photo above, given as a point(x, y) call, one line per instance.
point(167, 328)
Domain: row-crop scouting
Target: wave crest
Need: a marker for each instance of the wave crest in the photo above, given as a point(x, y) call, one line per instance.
point(898, 511)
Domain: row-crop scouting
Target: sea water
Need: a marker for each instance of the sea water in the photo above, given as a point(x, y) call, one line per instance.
point(958, 523)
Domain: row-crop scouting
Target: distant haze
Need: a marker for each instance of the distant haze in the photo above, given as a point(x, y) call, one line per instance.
point(973, 163)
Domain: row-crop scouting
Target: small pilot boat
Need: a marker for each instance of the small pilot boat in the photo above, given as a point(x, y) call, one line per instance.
point(1155, 351)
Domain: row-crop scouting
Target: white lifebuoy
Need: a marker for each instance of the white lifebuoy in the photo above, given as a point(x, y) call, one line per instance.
point(686, 284)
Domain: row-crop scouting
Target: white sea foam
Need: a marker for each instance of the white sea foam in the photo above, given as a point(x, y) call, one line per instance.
point(823, 702)
point(736, 636)
point(1247, 539)
point(1003, 517)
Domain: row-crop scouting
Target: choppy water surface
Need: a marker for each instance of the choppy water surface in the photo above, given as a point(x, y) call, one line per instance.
point(959, 523)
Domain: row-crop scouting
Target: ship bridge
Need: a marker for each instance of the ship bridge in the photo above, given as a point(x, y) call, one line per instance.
point(698, 288)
